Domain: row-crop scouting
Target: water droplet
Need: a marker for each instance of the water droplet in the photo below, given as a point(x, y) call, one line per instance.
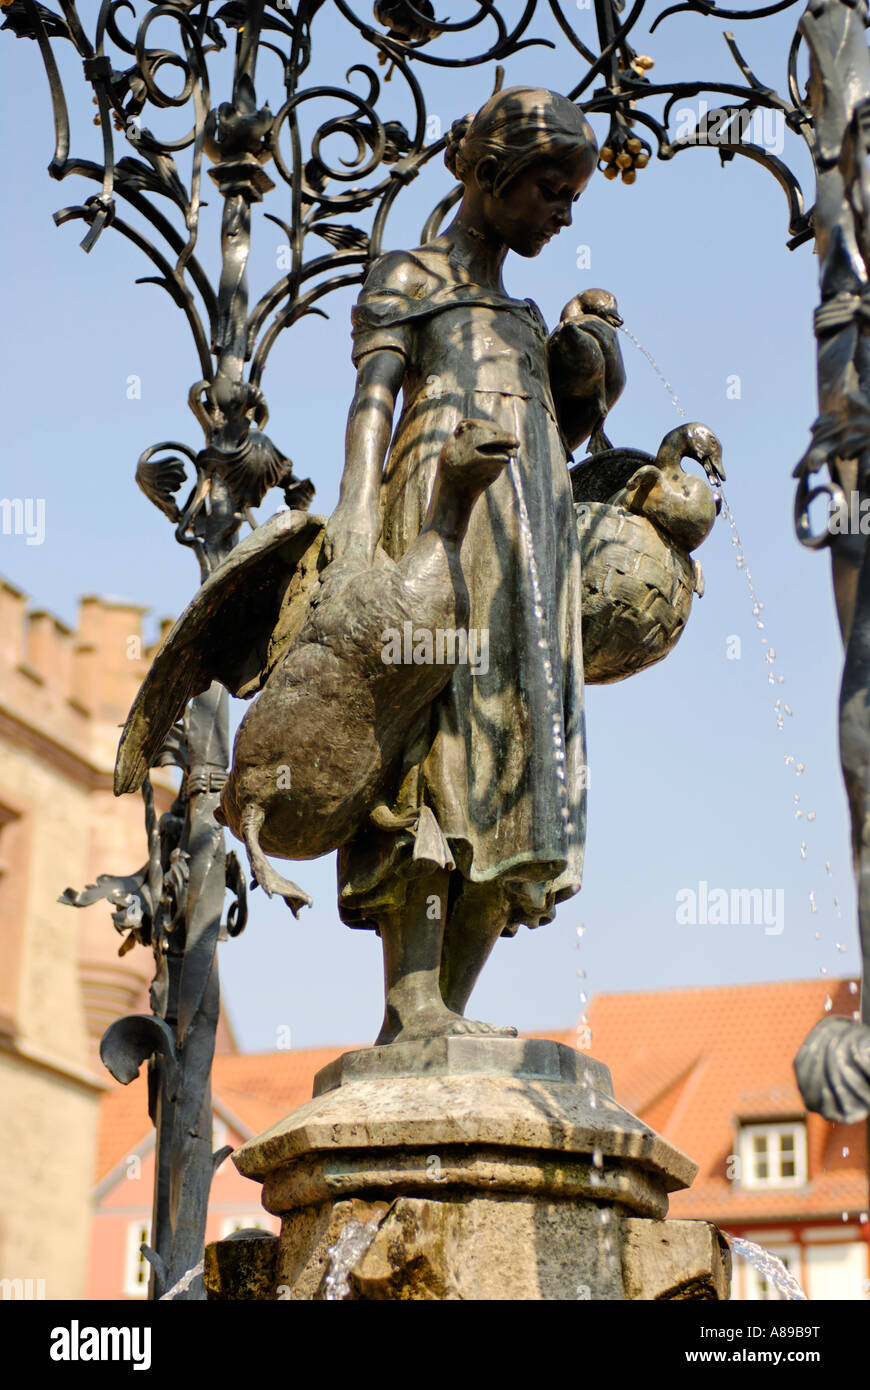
point(823, 970)
point(770, 654)
point(828, 869)
point(817, 935)
point(598, 1158)
point(829, 1004)
point(856, 1016)
point(811, 815)
point(801, 767)
point(841, 946)
point(844, 1152)
point(581, 929)
point(788, 709)
point(581, 974)
point(798, 814)
point(863, 1218)
point(803, 847)
point(789, 759)
point(780, 680)
point(853, 987)
point(844, 1216)
point(760, 624)
point(583, 998)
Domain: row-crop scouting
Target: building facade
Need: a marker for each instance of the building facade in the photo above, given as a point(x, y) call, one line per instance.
point(712, 1071)
point(63, 693)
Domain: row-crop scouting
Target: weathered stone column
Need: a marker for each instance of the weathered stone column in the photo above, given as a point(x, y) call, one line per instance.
point(474, 1168)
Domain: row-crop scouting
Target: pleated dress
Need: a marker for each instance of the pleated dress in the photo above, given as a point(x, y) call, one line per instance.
point(496, 768)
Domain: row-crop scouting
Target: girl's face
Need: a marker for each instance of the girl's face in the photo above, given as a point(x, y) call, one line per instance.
point(537, 204)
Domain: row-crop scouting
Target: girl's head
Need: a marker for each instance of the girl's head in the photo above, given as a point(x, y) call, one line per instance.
point(523, 159)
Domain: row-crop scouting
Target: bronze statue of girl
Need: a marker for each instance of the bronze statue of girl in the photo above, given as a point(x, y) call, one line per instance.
point(487, 827)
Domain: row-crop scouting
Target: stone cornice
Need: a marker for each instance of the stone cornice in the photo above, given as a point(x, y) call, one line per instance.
point(48, 1061)
point(17, 730)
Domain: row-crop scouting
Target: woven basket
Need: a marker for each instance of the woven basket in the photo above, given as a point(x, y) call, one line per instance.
point(637, 592)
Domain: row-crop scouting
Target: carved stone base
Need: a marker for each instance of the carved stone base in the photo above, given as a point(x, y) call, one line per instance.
point(474, 1168)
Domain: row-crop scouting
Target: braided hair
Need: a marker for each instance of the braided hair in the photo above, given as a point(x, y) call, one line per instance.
point(512, 130)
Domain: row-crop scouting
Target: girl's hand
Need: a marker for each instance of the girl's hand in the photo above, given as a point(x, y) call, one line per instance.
point(352, 533)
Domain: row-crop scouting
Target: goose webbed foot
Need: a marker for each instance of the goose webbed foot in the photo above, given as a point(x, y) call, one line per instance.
point(264, 875)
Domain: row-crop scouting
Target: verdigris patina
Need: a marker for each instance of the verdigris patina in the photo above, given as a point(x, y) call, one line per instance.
point(450, 777)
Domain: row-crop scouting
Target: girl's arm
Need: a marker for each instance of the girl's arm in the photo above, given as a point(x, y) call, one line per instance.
point(354, 526)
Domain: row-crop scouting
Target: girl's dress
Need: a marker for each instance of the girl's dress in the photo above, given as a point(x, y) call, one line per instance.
point(496, 769)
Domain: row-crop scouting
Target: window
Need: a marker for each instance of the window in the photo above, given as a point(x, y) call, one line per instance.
point(773, 1155)
point(137, 1270)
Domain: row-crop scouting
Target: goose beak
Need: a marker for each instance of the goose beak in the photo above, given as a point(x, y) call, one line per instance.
point(712, 465)
point(503, 449)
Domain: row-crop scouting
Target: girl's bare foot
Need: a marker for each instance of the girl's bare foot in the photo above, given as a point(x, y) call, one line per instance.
point(432, 1021)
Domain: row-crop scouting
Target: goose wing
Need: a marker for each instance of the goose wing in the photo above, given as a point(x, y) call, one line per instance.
point(597, 478)
point(223, 635)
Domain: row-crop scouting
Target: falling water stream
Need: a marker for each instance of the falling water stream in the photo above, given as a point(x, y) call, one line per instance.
point(769, 1266)
point(183, 1283)
point(352, 1243)
point(655, 366)
point(781, 708)
point(554, 694)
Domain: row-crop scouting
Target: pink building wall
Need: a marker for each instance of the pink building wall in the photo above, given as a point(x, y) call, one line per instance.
point(123, 1203)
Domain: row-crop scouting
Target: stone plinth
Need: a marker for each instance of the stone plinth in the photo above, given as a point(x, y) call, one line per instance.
point(470, 1168)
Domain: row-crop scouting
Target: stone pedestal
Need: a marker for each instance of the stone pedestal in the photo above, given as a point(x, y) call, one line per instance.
point(475, 1168)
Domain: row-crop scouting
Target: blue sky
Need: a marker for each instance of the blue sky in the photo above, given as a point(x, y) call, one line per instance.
point(689, 781)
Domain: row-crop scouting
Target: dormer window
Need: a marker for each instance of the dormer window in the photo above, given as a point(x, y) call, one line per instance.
point(773, 1155)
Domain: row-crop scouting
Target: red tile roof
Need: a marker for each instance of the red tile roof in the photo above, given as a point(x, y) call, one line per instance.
point(257, 1088)
point(692, 1062)
point(689, 1062)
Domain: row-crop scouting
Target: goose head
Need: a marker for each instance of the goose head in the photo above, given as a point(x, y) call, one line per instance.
point(599, 303)
point(682, 504)
point(696, 442)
